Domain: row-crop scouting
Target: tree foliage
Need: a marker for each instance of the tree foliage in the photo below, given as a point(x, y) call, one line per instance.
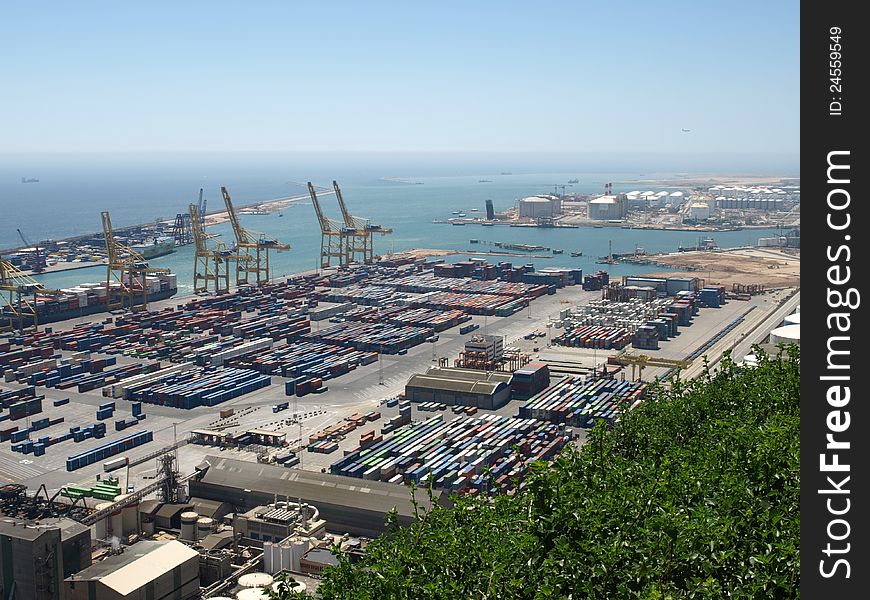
point(693, 495)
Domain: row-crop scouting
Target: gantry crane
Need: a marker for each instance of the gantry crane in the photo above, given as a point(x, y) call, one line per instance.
point(212, 261)
point(358, 233)
point(252, 248)
point(15, 286)
point(331, 235)
point(642, 360)
point(128, 268)
point(38, 266)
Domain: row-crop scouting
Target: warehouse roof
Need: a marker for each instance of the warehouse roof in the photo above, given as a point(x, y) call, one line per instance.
point(213, 509)
point(469, 374)
point(455, 385)
point(313, 487)
point(138, 565)
point(167, 511)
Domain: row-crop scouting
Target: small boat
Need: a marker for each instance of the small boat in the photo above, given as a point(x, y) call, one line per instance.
point(457, 212)
point(575, 254)
point(280, 214)
point(462, 214)
point(558, 251)
point(488, 224)
point(475, 210)
point(475, 241)
point(484, 181)
point(573, 181)
point(457, 222)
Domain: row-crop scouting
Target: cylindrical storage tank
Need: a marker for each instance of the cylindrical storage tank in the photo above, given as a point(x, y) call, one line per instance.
point(286, 556)
point(101, 527)
point(148, 527)
point(256, 580)
point(787, 334)
point(204, 526)
point(252, 594)
point(300, 547)
point(267, 558)
point(130, 517)
point(276, 558)
point(188, 526)
point(794, 319)
point(296, 586)
point(117, 523)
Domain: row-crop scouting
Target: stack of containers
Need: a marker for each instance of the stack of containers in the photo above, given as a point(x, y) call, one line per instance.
point(576, 402)
point(102, 452)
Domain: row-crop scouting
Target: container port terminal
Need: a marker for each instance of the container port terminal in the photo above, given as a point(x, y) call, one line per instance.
point(246, 430)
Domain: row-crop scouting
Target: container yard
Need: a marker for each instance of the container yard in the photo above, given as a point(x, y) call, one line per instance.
point(577, 402)
point(464, 455)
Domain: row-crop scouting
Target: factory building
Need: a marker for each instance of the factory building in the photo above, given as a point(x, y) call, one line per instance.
point(465, 387)
point(31, 560)
point(316, 559)
point(276, 522)
point(145, 571)
point(535, 207)
point(605, 208)
point(488, 347)
point(344, 503)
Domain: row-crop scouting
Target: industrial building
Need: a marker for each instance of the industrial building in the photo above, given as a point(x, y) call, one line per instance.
point(31, 560)
point(276, 522)
point(536, 207)
point(605, 208)
point(147, 570)
point(466, 387)
point(317, 559)
point(346, 505)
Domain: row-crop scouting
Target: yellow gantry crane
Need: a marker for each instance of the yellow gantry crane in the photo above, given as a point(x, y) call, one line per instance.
point(358, 233)
point(15, 286)
point(128, 268)
point(211, 267)
point(331, 235)
point(642, 360)
point(252, 248)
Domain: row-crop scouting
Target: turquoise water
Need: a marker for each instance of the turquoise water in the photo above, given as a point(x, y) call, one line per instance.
point(69, 197)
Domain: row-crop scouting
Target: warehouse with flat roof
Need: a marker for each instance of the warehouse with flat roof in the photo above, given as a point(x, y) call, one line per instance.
point(348, 505)
point(465, 387)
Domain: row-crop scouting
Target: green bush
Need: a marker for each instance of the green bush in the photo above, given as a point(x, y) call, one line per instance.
point(694, 495)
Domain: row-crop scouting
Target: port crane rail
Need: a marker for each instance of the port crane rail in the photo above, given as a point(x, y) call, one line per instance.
point(252, 248)
point(211, 266)
point(127, 267)
point(358, 233)
point(331, 234)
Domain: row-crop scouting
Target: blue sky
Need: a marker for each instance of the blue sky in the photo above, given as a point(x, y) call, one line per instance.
point(391, 76)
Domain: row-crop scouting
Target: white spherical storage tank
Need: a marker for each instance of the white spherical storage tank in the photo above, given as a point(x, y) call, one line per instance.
point(252, 594)
point(787, 334)
point(794, 319)
point(297, 586)
point(255, 580)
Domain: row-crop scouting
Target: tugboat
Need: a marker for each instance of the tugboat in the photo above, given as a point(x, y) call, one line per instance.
point(575, 254)
point(558, 251)
point(573, 181)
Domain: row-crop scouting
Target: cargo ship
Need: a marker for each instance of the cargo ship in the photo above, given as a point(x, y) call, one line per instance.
point(159, 246)
point(88, 299)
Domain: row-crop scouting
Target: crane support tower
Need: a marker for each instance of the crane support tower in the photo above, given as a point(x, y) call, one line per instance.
point(211, 267)
point(331, 236)
point(38, 261)
point(252, 248)
point(15, 287)
point(128, 268)
point(358, 233)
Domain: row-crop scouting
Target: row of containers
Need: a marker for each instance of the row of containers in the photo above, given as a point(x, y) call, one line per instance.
point(576, 402)
point(106, 450)
point(106, 490)
point(464, 455)
point(194, 386)
point(38, 446)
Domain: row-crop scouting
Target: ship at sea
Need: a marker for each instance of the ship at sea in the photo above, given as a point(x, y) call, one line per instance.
point(159, 246)
point(29, 180)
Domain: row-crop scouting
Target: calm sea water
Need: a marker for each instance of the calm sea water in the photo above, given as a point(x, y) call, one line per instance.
point(403, 193)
